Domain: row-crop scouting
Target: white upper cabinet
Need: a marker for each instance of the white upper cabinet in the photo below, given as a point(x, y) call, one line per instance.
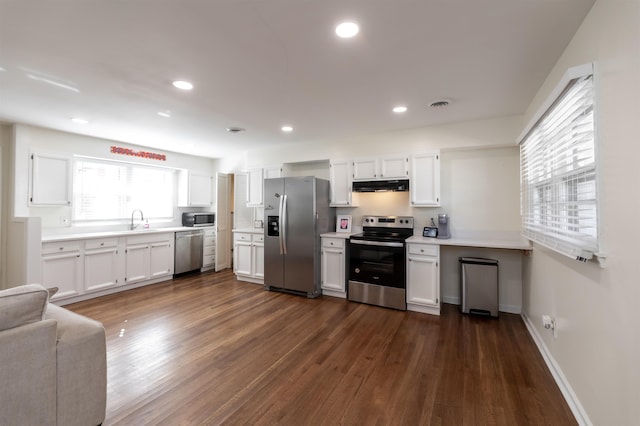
point(425, 180)
point(200, 190)
point(394, 167)
point(340, 183)
point(272, 172)
point(256, 183)
point(366, 168)
point(255, 187)
point(195, 189)
point(50, 180)
point(387, 167)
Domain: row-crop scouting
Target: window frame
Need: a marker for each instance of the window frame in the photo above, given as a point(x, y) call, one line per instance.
point(125, 219)
point(572, 177)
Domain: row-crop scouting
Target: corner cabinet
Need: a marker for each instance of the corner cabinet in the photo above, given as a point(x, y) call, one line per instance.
point(50, 180)
point(248, 252)
point(423, 278)
point(425, 180)
point(333, 273)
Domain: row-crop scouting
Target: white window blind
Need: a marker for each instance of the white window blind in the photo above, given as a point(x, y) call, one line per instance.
point(110, 191)
point(559, 174)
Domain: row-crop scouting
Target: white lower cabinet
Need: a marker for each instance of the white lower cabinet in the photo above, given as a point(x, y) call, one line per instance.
point(248, 252)
point(80, 268)
point(423, 278)
point(101, 264)
point(161, 258)
point(209, 249)
point(148, 257)
point(137, 258)
point(62, 267)
point(333, 278)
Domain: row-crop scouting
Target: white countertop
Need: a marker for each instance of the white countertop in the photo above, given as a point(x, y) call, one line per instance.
point(249, 230)
point(106, 234)
point(343, 235)
point(510, 243)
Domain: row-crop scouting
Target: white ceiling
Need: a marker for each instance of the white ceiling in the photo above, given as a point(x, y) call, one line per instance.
point(259, 64)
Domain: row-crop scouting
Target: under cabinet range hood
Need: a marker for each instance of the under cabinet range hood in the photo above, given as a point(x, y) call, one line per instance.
point(395, 185)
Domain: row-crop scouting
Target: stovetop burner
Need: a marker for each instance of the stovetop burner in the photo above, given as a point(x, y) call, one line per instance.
point(385, 228)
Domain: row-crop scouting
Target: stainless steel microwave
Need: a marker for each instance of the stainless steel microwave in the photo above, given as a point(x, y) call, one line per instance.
point(198, 219)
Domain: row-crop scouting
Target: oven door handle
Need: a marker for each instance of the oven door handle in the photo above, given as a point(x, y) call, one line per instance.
point(376, 243)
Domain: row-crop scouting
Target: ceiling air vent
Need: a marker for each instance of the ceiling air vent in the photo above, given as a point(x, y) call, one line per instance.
point(439, 104)
point(235, 129)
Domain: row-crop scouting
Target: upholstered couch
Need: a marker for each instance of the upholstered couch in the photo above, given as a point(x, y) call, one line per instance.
point(53, 368)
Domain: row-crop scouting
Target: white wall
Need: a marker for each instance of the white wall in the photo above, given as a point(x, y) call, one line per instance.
point(27, 139)
point(597, 346)
point(472, 134)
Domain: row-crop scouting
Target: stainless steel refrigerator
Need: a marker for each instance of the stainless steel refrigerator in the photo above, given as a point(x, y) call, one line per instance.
point(296, 212)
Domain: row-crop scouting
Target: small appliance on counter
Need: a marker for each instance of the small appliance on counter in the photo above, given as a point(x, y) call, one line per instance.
point(443, 226)
point(430, 231)
point(198, 219)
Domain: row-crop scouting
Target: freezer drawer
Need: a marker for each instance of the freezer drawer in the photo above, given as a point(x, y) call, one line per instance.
point(479, 286)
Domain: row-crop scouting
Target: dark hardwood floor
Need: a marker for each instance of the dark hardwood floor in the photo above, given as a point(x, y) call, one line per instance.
point(208, 349)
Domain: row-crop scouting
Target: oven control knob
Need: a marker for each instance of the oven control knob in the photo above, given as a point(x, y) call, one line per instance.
point(357, 270)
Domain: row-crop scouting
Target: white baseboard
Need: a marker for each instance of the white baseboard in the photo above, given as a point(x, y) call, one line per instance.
point(562, 382)
point(511, 309)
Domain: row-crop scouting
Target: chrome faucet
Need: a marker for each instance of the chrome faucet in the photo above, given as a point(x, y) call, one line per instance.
point(141, 218)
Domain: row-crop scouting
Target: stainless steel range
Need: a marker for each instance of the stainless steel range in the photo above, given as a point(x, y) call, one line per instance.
point(377, 267)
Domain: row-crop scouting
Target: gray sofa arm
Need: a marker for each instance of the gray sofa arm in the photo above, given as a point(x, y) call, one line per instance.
point(82, 368)
point(28, 374)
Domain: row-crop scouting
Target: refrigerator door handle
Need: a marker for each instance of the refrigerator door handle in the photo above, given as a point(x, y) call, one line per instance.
point(280, 220)
point(283, 225)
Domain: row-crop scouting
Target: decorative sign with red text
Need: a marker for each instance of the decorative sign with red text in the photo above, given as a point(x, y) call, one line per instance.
point(141, 154)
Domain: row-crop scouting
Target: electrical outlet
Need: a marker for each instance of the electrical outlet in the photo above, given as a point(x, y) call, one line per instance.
point(549, 323)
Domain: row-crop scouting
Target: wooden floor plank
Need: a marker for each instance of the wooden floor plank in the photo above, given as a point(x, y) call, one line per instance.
point(208, 349)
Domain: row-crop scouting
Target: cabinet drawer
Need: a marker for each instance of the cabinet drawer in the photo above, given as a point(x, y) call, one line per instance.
point(258, 238)
point(100, 243)
point(333, 242)
point(209, 260)
point(209, 232)
point(241, 237)
point(209, 250)
point(209, 241)
point(61, 247)
point(423, 249)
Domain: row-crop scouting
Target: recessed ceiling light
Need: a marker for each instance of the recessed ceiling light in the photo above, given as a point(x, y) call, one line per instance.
point(183, 85)
point(400, 109)
point(287, 129)
point(347, 29)
point(165, 114)
point(79, 120)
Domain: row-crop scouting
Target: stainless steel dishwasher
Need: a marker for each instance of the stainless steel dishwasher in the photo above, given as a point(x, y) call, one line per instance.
point(188, 255)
